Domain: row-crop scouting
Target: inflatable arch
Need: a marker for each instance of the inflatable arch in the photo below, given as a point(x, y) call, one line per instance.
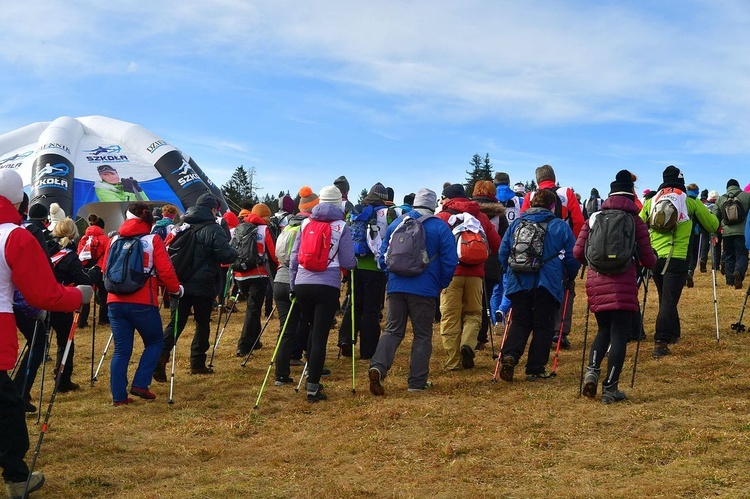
point(96, 164)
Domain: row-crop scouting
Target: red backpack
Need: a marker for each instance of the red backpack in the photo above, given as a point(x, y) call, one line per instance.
point(315, 245)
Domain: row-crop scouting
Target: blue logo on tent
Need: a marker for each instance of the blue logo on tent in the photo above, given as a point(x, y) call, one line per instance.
point(105, 150)
point(58, 170)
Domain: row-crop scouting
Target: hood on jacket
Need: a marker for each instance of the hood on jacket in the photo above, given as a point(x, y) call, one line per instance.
point(134, 227)
point(231, 219)
point(373, 199)
point(618, 202)
point(198, 214)
point(327, 212)
point(462, 205)
point(504, 193)
point(94, 230)
point(254, 219)
point(537, 214)
point(733, 189)
point(8, 212)
point(489, 206)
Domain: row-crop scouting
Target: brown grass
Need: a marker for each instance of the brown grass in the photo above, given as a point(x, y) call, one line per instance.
point(684, 432)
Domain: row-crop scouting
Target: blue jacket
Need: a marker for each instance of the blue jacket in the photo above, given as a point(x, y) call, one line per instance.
point(747, 233)
point(438, 275)
point(559, 239)
point(504, 193)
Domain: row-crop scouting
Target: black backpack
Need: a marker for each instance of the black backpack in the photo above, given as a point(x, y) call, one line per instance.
point(611, 243)
point(732, 211)
point(182, 248)
point(526, 253)
point(245, 242)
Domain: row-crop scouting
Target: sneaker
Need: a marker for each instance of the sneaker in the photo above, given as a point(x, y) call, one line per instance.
point(283, 380)
point(590, 382)
point(508, 366)
point(83, 325)
point(142, 392)
point(737, 280)
point(417, 389)
point(376, 385)
point(160, 372)
point(68, 386)
point(325, 372)
point(296, 362)
point(610, 395)
point(316, 396)
point(29, 406)
point(689, 283)
point(660, 349)
point(258, 345)
point(118, 403)
point(541, 375)
point(345, 349)
point(467, 357)
point(564, 343)
point(241, 353)
point(201, 370)
point(499, 317)
point(15, 490)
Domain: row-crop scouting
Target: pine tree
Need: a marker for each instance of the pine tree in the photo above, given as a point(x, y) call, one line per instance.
point(241, 187)
point(362, 195)
point(530, 185)
point(481, 170)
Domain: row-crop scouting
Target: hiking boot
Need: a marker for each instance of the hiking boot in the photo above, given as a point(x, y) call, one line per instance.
point(160, 372)
point(508, 366)
point(68, 386)
point(325, 372)
point(258, 345)
point(83, 325)
point(376, 385)
point(118, 403)
point(29, 406)
point(541, 375)
point(499, 317)
point(689, 283)
point(612, 394)
point(345, 349)
point(241, 353)
point(315, 392)
point(15, 489)
point(590, 382)
point(737, 280)
point(564, 343)
point(703, 267)
point(660, 349)
point(296, 362)
point(142, 392)
point(283, 380)
point(201, 370)
point(467, 357)
point(418, 389)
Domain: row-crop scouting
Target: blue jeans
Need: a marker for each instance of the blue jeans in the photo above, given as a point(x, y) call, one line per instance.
point(124, 318)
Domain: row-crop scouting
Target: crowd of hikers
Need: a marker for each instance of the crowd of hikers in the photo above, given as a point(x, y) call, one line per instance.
point(468, 261)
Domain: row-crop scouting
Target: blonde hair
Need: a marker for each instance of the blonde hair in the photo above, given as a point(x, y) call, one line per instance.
point(65, 231)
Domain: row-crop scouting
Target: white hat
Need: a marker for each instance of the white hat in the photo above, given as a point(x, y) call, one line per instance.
point(713, 195)
point(11, 186)
point(56, 214)
point(330, 194)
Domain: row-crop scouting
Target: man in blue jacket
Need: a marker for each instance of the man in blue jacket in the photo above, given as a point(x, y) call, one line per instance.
point(415, 297)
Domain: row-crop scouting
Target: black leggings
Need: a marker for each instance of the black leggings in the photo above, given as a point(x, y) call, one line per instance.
point(317, 305)
point(615, 327)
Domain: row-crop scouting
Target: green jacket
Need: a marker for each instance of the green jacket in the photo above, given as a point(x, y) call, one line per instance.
point(661, 241)
point(744, 199)
point(114, 192)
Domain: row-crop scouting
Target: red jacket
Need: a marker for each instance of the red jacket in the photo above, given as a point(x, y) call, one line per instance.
point(267, 247)
point(571, 210)
point(465, 205)
point(32, 275)
point(102, 243)
point(620, 291)
point(165, 276)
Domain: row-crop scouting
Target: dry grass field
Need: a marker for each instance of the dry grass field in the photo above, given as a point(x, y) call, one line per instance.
point(684, 432)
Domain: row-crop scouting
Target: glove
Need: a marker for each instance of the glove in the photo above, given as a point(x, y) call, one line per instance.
point(130, 185)
point(42, 316)
point(178, 294)
point(292, 295)
point(87, 292)
point(570, 284)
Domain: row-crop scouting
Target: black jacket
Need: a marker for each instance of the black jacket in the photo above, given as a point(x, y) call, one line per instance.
point(211, 249)
point(69, 270)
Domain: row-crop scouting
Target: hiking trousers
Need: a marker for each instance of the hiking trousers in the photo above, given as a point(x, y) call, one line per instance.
point(369, 295)
point(201, 307)
point(421, 310)
point(614, 328)
point(14, 437)
point(461, 309)
point(254, 291)
point(318, 304)
point(533, 310)
point(736, 251)
point(669, 287)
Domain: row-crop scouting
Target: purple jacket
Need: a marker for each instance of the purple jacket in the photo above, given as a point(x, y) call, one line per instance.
point(332, 275)
point(616, 292)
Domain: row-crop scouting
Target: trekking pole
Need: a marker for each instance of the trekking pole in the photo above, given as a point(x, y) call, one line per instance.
point(93, 337)
point(275, 351)
point(640, 336)
point(174, 351)
point(560, 333)
point(101, 361)
point(301, 377)
point(490, 319)
point(583, 353)
point(60, 370)
point(716, 303)
point(252, 349)
point(18, 360)
point(351, 301)
point(222, 304)
point(738, 326)
point(220, 334)
point(502, 344)
point(47, 342)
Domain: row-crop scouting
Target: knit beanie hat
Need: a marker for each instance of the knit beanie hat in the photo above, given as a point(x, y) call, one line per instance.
point(425, 198)
point(704, 194)
point(673, 177)
point(342, 184)
point(11, 186)
point(409, 199)
point(623, 185)
point(262, 210)
point(484, 188)
point(56, 214)
point(38, 212)
point(454, 191)
point(287, 204)
point(307, 199)
point(231, 219)
point(502, 178)
point(379, 190)
point(207, 200)
point(713, 196)
point(391, 193)
point(243, 213)
point(519, 188)
point(594, 192)
point(331, 194)
point(732, 182)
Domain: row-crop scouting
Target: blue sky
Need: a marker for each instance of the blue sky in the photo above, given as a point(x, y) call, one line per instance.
point(400, 92)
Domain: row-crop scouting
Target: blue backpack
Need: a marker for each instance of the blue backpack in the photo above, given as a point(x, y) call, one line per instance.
point(359, 223)
point(124, 273)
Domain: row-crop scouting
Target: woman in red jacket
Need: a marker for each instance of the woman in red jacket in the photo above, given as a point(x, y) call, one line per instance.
point(139, 310)
point(613, 298)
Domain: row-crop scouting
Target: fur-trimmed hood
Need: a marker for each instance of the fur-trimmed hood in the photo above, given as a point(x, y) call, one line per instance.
point(489, 206)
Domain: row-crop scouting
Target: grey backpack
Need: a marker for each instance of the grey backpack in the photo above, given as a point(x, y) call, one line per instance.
point(407, 250)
